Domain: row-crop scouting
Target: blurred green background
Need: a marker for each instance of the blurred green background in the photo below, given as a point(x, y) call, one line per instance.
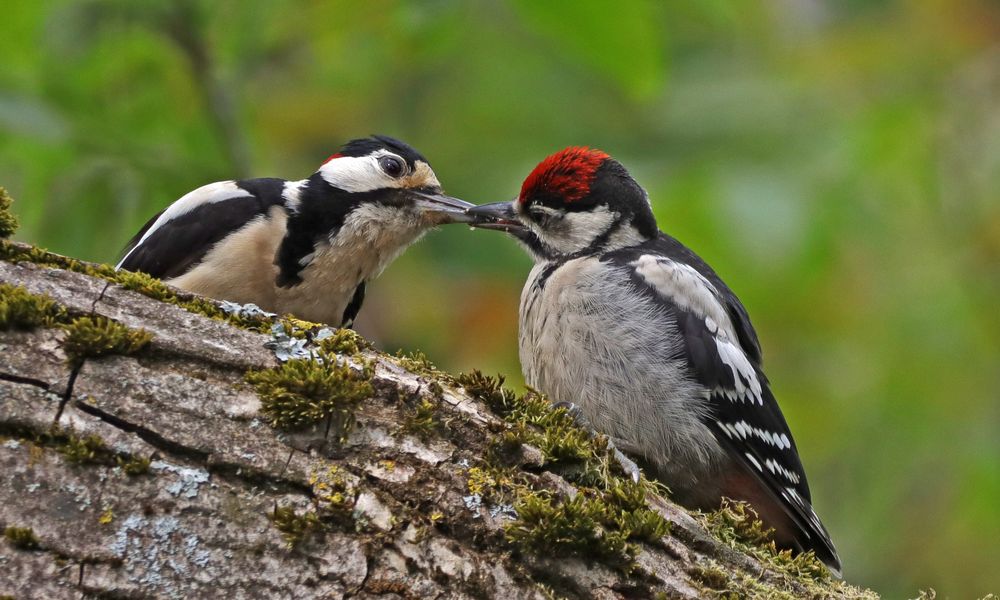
point(838, 162)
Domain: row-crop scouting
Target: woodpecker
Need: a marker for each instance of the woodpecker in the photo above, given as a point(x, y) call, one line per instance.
point(641, 336)
point(304, 247)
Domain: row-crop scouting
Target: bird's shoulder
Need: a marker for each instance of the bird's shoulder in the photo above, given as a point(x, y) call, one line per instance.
point(679, 276)
point(178, 237)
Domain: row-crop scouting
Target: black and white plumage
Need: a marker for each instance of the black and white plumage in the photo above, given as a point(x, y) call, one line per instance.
point(651, 345)
point(304, 247)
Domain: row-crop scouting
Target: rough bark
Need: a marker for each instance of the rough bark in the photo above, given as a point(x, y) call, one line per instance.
point(201, 522)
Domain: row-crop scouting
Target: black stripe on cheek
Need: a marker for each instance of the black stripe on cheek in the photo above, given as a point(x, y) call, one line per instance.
point(180, 244)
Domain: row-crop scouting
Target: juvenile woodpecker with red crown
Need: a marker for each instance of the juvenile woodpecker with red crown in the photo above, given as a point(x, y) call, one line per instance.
point(304, 247)
point(633, 330)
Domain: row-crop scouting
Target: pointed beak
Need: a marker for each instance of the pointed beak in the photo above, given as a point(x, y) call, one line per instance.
point(499, 215)
point(440, 209)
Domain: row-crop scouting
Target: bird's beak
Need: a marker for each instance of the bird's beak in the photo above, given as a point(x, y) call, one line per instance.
point(499, 215)
point(440, 209)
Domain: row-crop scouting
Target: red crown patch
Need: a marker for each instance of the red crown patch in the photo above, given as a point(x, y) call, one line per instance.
point(566, 174)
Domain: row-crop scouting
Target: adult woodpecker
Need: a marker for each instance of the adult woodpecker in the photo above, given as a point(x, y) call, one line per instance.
point(303, 247)
point(650, 345)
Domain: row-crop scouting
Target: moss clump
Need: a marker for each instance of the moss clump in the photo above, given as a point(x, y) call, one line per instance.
point(417, 362)
point(567, 527)
point(84, 450)
point(344, 341)
point(134, 465)
point(93, 337)
point(423, 420)
point(710, 575)
point(295, 528)
point(303, 392)
point(20, 309)
point(8, 222)
point(738, 525)
point(21, 537)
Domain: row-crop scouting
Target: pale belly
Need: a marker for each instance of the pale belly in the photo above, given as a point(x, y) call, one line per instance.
point(585, 339)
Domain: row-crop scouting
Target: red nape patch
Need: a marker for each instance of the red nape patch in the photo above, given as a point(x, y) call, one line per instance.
point(331, 157)
point(566, 174)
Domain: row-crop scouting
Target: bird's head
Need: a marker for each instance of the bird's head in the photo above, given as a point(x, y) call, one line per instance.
point(575, 201)
point(385, 175)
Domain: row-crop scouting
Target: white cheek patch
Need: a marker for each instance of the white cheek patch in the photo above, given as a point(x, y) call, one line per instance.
point(357, 173)
point(576, 230)
point(363, 174)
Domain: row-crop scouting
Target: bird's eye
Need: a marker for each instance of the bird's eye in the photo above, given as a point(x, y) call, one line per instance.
point(392, 166)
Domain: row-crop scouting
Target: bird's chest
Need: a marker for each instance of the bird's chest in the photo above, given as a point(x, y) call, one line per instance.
point(358, 253)
point(574, 330)
point(588, 338)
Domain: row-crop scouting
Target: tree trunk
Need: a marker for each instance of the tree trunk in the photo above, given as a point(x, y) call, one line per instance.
point(155, 475)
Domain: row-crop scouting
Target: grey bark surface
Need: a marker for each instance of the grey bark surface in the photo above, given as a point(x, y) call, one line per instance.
point(197, 525)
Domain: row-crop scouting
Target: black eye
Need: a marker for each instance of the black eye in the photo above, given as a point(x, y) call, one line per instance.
point(392, 166)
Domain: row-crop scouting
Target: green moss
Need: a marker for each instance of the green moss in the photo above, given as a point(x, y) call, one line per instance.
point(344, 341)
point(84, 450)
point(303, 392)
point(710, 575)
point(21, 537)
point(548, 525)
point(423, 420)
point(295, 528)
point(8, 222)
point(20, 309)
point(93, 337)
point(738, 525)
point(134, 465)
point(417, 362)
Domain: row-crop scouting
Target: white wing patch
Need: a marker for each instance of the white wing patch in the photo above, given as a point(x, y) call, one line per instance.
point(206, 194)
point(747, 385)
point(687, 288)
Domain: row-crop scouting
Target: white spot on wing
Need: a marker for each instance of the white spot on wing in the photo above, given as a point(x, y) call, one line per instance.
point(754, 461)
point(743, 372)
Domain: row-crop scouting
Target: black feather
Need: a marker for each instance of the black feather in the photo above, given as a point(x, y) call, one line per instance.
point(178, 245)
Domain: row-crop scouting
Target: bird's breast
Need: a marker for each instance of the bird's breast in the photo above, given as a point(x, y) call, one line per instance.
point(586, 337)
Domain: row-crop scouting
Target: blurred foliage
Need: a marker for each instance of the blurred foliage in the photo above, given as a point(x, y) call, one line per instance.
point(837, 162)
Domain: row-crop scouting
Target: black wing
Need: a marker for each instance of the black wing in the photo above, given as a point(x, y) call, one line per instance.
point(179, 237)
point(744, 415)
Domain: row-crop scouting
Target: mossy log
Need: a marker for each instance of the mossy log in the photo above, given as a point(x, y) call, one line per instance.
point(152, 472)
